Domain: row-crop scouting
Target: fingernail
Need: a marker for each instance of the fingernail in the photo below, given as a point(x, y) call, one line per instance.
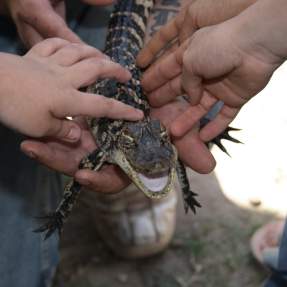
point(83, 181)
point(139, 114)
point(74, 133)
point(30, 154)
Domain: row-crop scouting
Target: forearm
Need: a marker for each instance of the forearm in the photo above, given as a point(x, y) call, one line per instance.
point(263, 28)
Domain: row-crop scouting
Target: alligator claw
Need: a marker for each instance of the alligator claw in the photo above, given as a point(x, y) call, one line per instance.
point(54, 222)
point(225, 136)
point(191, 202)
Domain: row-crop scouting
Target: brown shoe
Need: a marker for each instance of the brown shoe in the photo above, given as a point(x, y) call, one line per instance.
point(133, 225)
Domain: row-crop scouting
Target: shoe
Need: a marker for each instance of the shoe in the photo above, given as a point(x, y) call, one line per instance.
point(265, 244)
point(133, 225)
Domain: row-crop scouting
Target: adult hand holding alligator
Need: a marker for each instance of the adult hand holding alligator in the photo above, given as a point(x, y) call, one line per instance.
point(231, 62)
point(193, 16)
point(37, 20)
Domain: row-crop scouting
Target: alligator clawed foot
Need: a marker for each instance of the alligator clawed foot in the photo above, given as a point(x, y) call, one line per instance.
point(52, 223)
point(191, 202)
point(226, 136)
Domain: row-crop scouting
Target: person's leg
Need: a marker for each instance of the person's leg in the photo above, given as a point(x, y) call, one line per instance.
point(26, 190)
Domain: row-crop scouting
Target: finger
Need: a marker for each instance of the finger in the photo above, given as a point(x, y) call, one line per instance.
point(49, 24)
point(73, 53)
point(189, 25)
point(95, 106)
point(109, 179)
point(47, 47)
point(191, 82)
point(165, 70)
point(217, 125)
point(166, 93)
point(161, 38)
point(28, 35)
point(90, 70)
point(194, 153)
point(56, 159)
point(64, 130)
point(192, 115)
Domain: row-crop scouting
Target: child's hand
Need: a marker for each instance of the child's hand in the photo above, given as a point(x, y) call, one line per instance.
point(38, 91)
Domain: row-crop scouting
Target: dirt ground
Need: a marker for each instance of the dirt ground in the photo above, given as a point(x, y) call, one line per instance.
point(208, 250)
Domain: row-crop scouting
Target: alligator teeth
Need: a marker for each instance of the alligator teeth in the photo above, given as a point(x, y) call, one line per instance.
point(154, 184)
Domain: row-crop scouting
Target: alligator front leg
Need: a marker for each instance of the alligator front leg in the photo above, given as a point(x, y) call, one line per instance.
point(55, 220)
point(188, 195)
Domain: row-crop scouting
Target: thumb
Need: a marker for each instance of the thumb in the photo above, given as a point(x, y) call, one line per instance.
point(189, 25)
point(65, 130)
point(191, 80)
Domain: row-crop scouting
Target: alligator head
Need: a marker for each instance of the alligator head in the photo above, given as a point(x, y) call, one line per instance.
point(146, 155)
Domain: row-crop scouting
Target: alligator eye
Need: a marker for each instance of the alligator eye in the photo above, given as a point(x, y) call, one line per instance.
point(164, 134)
point(128, 141)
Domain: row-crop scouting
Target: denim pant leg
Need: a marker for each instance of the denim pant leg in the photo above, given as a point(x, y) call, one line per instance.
point(26, 190)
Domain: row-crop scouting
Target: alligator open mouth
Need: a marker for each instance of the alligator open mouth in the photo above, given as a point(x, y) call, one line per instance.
point(152, 186)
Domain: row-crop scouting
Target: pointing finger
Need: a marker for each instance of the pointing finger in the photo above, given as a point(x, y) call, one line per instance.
point(93, 105)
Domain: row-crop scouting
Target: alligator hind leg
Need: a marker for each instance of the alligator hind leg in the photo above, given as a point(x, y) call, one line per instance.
point(54, 221)
point(188, 195)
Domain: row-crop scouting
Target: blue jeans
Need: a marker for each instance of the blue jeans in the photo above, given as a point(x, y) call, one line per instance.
point(28, 189)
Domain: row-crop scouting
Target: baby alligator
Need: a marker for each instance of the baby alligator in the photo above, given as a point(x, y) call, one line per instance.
point(141, 149)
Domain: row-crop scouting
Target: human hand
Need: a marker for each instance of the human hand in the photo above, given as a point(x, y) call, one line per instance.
point(193, 15)
point(40, 90)
point(231, 62)
point(65, 158)
point(230, 72)
point(37, 20)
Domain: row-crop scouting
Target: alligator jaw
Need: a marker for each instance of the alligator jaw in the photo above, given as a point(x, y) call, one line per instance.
point(151, 187)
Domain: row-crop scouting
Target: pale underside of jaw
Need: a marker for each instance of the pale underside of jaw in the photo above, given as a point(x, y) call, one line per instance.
point(154, 187)
point(154, 184)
